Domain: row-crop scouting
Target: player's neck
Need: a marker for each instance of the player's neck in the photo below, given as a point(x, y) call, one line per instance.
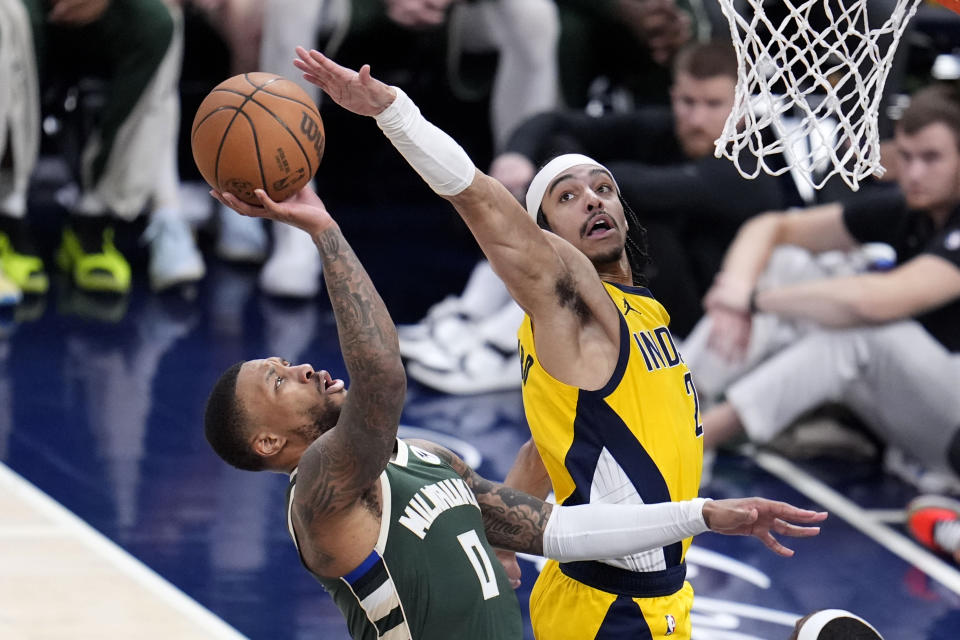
point(618, 272)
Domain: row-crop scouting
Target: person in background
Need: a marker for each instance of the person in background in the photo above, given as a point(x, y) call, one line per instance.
point(782, 336)
point(128, 163)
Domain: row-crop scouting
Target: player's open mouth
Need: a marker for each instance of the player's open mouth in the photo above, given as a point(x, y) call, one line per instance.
point(327, 383)
point(599, 225)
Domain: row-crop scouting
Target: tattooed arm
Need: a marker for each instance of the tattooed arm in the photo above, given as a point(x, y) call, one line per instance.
point(512, 519)
point(337, 472)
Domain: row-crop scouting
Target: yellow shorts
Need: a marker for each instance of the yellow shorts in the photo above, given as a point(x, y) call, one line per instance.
point(562, 608)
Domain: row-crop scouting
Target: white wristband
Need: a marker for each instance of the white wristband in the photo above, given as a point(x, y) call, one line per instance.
point(605, 531)
point(440, 161)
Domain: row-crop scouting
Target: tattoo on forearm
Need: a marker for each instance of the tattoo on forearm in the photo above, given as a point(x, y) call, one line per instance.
point(368, 341)
point(512, 519)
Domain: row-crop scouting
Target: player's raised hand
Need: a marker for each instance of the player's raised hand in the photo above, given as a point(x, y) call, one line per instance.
point(304, 210)
point(761, 518)
point(355, 91)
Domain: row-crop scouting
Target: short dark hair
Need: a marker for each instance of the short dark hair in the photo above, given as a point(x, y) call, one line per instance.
point(847, 629)
point(704, 60)
point(933, 104)
point(225, 423)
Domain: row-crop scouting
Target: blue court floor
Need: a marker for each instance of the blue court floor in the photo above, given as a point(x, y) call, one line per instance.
point(101, 407)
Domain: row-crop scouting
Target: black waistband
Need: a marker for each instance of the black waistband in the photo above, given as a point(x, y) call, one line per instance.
point(636, 584)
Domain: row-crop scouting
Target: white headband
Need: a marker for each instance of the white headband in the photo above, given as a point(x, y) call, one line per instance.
point(814, 625)
point(540, 182)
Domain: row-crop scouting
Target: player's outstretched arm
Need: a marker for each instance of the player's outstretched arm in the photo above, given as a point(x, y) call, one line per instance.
point(517, 521)
point(342, 464)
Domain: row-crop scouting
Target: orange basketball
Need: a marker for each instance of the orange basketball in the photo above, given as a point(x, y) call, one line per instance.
point(257, 131)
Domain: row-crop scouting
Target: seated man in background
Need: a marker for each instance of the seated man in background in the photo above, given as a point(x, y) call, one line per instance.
point(397, 532)
point(128, 163)
point(884, 344)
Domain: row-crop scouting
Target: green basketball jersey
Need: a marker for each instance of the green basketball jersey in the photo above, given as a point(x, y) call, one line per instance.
point(432, 574)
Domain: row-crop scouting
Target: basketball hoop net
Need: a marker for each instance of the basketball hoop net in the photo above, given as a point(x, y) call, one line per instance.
point(810, 82)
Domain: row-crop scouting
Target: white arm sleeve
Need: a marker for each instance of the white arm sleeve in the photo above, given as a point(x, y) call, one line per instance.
point(601, 531)
point(440, 161)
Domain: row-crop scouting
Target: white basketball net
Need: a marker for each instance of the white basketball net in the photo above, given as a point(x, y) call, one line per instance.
point(810, 97)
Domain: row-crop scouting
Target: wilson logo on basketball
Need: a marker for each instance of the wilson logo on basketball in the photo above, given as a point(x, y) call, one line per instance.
point(312, 130)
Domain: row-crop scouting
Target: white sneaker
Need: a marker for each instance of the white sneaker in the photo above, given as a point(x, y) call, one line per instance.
point(241, 238)
point(482, 370)
point(911, 470)
point(174, 257)
point(445, 342)
point(293, 269)
point(447, 307)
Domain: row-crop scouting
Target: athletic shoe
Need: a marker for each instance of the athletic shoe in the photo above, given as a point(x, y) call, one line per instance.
point(449, 306)
point(447, 340)
point(293, 270)
point(924, 513)
point(911, 470)
point(10, 293)
point(174, 257)
point(483, 369)
point(241, 238)
point(92, 260)
point(24, 269)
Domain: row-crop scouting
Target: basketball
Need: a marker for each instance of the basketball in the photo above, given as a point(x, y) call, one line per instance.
point(257, 131)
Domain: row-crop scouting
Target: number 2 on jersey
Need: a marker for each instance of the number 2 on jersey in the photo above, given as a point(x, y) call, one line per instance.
point(480, 561)
point(692, 391)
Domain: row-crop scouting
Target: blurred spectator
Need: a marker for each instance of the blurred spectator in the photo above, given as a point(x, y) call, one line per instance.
point(20, 268)
point(128, 163)
point(884, 344)
point(240, 25)
point(628, 44)
point(523, 33)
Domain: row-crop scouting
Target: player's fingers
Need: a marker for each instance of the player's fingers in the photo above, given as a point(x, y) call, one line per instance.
point(788, 529)
point(794, 514)
point(312, 79)
point(324, 62)
point(304, 60)
point(239, 205)
point(267, 202)
point(771, 543)
point(365, 74)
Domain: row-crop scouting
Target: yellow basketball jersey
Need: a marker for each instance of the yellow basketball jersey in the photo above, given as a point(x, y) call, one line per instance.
point(636, 440)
